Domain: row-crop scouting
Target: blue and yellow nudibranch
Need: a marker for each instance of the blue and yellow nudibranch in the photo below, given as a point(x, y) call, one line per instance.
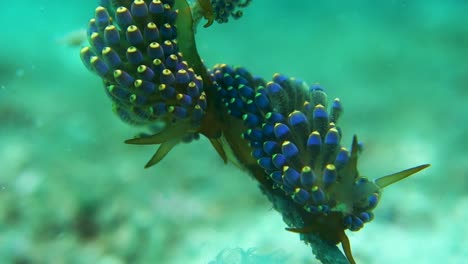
point(283, 131)
point(294, 146)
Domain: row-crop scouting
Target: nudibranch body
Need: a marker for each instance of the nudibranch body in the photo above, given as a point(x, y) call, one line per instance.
point(285, 128)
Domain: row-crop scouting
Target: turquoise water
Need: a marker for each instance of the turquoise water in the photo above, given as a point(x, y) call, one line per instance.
point(72, 192)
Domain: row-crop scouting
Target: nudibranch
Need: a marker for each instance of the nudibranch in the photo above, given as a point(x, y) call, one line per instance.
point(282, 132)
point(223, 9)
point(217, 10)
point(153, 79)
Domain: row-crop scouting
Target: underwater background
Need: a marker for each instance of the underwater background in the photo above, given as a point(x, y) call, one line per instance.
point(72, 192)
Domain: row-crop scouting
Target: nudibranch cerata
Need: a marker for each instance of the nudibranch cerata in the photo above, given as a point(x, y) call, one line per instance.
point(294, 146)
point(217, 10)
point(283, 132)
point(151, 70)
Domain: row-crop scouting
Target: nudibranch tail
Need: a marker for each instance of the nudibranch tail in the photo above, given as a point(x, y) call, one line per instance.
point(384, 181)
